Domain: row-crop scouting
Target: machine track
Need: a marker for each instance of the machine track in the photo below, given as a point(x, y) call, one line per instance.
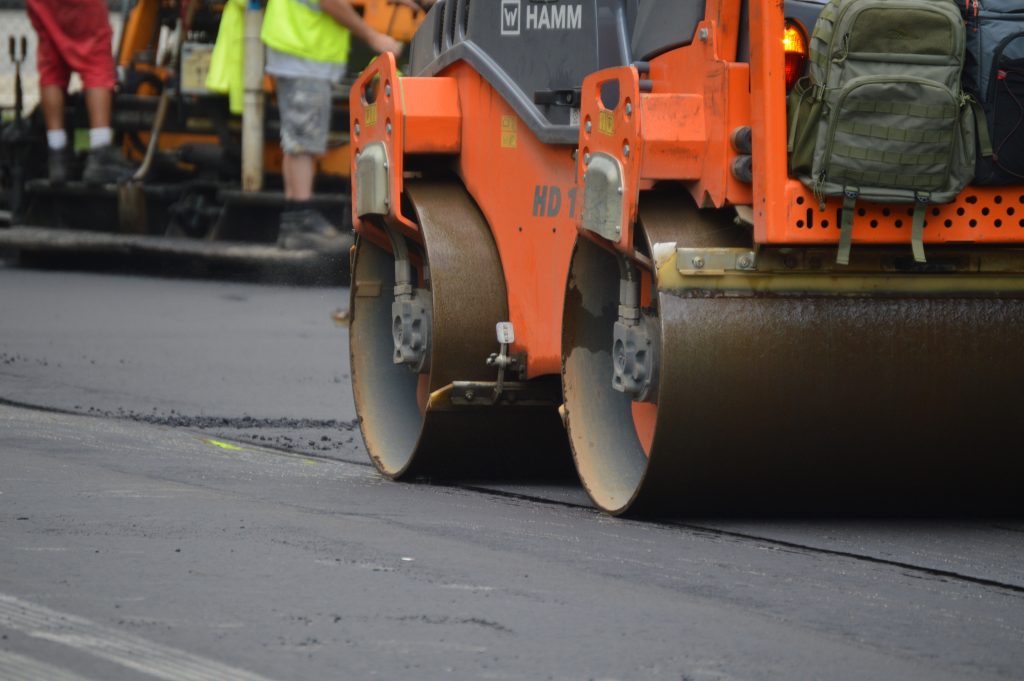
point(792, 401)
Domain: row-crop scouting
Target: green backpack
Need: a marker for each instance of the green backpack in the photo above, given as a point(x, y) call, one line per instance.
point(882, 116)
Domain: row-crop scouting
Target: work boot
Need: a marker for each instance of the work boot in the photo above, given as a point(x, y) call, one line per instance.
point(106, 165)
point(308, 229)
point(58, 166)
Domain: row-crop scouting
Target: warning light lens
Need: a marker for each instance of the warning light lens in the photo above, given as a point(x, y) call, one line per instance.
point(794, 44)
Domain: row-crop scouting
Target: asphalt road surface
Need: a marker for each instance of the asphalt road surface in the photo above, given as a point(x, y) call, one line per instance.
point(184, 495)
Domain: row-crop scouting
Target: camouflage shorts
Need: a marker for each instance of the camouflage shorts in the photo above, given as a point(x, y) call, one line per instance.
point(305, 105)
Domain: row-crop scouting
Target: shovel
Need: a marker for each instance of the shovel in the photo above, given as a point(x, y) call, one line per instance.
point(131, 195)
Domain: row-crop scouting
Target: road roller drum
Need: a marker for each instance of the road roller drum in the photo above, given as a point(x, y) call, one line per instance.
point(775, 400)
point(409, 421)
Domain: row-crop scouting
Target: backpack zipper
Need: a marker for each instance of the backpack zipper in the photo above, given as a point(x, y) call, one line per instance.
point(996, 54)
point(858, 8)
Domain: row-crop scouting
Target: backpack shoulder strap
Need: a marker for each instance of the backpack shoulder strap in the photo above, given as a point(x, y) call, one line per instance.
point(921, 201)
point(981, 124)
point(850, 195)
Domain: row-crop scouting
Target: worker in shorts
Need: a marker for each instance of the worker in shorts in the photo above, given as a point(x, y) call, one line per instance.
point(75, 36)
point(307, 49)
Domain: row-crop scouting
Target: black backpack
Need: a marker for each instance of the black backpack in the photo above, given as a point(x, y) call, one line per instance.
point(994, 76)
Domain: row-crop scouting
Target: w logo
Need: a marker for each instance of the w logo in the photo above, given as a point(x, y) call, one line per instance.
point(510, 17)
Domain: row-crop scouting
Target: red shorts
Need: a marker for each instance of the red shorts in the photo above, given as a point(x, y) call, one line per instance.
point(74, 35)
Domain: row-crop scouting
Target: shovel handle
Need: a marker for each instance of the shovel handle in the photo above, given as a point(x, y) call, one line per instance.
point(154, 137)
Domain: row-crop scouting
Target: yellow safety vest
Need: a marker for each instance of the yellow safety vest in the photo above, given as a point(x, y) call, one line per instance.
point(302, 29)
point(227, 62)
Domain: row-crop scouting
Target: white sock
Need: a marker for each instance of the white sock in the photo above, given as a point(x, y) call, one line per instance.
point(57, 139)
point(100, 137)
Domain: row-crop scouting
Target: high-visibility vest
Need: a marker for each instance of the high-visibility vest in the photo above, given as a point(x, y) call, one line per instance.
point(226, 74)
point(302, 29)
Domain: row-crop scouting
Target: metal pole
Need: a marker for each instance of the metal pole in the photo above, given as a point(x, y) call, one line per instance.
point(252, 111)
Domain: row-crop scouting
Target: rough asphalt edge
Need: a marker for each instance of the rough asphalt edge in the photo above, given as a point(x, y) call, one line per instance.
point(189, 423)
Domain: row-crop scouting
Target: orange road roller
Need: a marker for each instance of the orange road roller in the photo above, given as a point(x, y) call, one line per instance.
point(580, 229)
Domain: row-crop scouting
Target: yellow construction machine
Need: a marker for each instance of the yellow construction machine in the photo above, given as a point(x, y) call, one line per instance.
point(209, 187)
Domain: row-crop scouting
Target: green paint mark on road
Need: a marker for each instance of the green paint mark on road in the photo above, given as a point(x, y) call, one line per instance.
point(224, 445)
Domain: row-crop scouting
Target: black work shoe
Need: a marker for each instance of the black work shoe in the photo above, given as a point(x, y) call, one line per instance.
point(58, 166)
point(106, 165)
point(308, 229)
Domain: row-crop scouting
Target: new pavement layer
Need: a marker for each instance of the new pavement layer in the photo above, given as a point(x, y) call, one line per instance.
point(170, 508)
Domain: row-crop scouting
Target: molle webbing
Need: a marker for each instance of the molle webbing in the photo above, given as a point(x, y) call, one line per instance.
point(896, 180)
point(901, 109)
point(888, 157)
point(882, 132)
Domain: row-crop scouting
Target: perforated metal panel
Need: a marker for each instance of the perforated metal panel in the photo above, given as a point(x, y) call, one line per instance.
point(980, 214)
